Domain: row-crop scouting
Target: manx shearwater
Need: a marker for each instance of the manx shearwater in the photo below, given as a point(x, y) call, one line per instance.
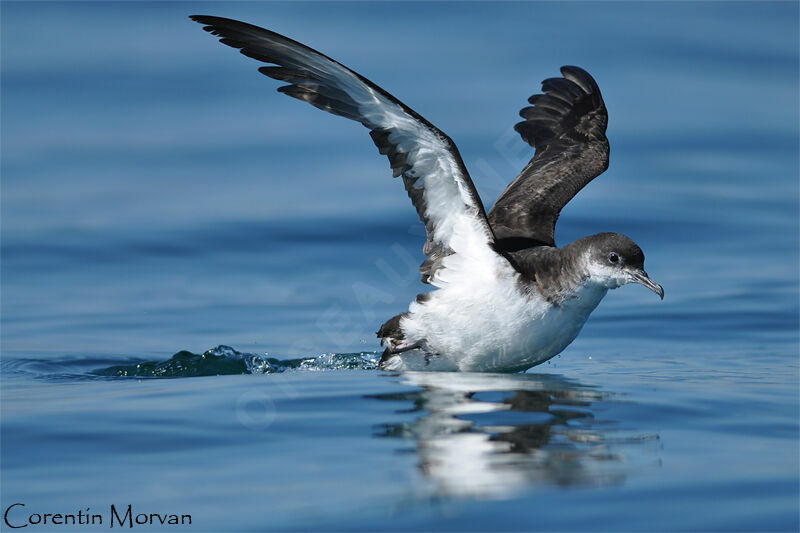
point(505, 297)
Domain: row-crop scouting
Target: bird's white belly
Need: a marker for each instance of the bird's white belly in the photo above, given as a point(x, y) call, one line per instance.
point(492, 327)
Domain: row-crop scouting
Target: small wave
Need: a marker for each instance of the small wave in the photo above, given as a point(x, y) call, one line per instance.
point(224, 360)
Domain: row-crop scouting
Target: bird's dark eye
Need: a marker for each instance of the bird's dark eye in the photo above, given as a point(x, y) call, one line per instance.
point(614, 258)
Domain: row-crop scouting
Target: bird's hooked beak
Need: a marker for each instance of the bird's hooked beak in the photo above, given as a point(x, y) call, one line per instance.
point(640, 276)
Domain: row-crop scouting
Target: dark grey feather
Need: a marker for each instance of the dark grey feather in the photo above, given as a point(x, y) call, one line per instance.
point(566, 126)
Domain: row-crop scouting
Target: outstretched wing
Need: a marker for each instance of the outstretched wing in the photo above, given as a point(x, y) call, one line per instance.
point(567, 127)
point(433, 172)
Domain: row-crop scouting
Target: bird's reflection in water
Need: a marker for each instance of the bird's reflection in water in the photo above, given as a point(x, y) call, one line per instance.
point(491, 435)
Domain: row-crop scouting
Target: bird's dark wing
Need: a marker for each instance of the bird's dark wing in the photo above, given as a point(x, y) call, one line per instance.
point(434, 174)
point(567, 127)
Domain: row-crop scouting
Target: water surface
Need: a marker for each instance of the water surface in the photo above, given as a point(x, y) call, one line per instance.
point(161, 202)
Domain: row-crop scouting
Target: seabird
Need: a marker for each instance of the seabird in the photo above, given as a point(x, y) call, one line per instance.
point(505, 296)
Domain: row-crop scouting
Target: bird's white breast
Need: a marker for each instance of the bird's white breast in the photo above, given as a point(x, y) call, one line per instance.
point(493, 324)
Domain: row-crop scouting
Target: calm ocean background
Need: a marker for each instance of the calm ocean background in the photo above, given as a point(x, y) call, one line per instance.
point(158, 195)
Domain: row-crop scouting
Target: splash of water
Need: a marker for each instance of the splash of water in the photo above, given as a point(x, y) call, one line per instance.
point(224, 360)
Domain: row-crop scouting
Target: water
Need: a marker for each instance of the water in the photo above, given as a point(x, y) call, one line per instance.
point(161, 203)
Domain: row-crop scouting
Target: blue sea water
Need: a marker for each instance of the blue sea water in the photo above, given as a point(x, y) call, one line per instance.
point(159, 198)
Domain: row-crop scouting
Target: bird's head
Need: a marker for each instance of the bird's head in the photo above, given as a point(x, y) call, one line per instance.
point(613, 260)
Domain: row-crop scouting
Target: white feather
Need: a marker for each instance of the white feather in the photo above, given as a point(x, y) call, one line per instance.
point(481, 319)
